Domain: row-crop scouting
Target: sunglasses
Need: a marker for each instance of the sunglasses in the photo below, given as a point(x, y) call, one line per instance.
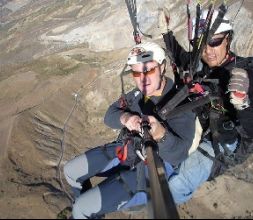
point(214, 42)
point(145, 72)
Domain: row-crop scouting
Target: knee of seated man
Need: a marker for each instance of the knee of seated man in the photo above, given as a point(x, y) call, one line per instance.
point(88, 204)
point(77, 213)
point(70, 174)
point(76, 168)
point(180, 190)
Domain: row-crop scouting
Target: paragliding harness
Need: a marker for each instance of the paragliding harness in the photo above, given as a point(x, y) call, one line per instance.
point(132, 144)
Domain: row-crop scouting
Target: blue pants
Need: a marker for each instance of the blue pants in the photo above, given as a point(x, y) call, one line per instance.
point(120, 191)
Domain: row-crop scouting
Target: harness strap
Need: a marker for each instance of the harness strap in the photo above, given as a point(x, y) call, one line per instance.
point(217, 166)
point(214, 119)
point(121, 152)
point(206, 154)
point(203, 38)
point(190, 106)
point(123, 100)
point(195, 43)
point(217, 22)
point(174, 102)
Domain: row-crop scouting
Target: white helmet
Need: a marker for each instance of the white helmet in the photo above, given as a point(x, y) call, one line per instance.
point(146, 52)
point(225, 25)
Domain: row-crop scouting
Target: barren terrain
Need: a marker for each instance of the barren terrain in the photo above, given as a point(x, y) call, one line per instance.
point(51, 50)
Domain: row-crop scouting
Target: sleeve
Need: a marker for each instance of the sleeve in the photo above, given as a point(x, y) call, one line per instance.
point(114, 112)
point(176, 52)
point(179, 138)
point(112, 116)
point(246, 119)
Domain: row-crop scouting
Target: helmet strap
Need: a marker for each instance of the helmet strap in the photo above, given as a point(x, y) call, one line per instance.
point(162, 74)
point(229, 41)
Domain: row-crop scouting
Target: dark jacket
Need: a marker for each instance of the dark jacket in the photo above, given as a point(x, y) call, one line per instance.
point(180, 130)
point(182, 59)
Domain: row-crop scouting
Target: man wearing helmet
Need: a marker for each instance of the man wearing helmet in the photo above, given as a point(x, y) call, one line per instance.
point(227, 124)
point(217, 50)
point(175, 137)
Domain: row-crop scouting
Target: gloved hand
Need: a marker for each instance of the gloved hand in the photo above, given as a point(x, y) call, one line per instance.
point(163, 20)
point(239, 88)
point(127, 153)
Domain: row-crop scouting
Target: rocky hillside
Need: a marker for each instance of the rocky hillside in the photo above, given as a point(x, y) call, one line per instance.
point(59, 70)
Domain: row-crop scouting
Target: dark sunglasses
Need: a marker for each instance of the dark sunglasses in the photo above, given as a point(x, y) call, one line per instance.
point(214, 42)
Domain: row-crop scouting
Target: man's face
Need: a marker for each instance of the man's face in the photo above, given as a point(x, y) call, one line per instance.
point(147, 77)
point(214, 53)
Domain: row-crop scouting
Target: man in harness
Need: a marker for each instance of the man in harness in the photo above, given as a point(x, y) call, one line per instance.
point(228, 122)
point(123, 161)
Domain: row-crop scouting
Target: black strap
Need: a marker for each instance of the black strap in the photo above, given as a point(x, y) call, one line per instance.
point(217, 22)
point(206, 154)
point(214, 117)
point(198, 14)
point(173, 103)
point(189, 106)
point(86, 185)
point(197, 52)
point(217, 167)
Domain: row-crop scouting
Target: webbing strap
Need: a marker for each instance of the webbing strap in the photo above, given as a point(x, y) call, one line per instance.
point(206, 154)
point(217, 22)
point(198, 14)
point(174, 102)
point(214, 118)
point(122, 151)
point(190, 106)
point(123, 100)
point(203, 38)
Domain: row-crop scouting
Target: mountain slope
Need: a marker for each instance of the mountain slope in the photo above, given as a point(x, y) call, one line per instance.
point(51, 50)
